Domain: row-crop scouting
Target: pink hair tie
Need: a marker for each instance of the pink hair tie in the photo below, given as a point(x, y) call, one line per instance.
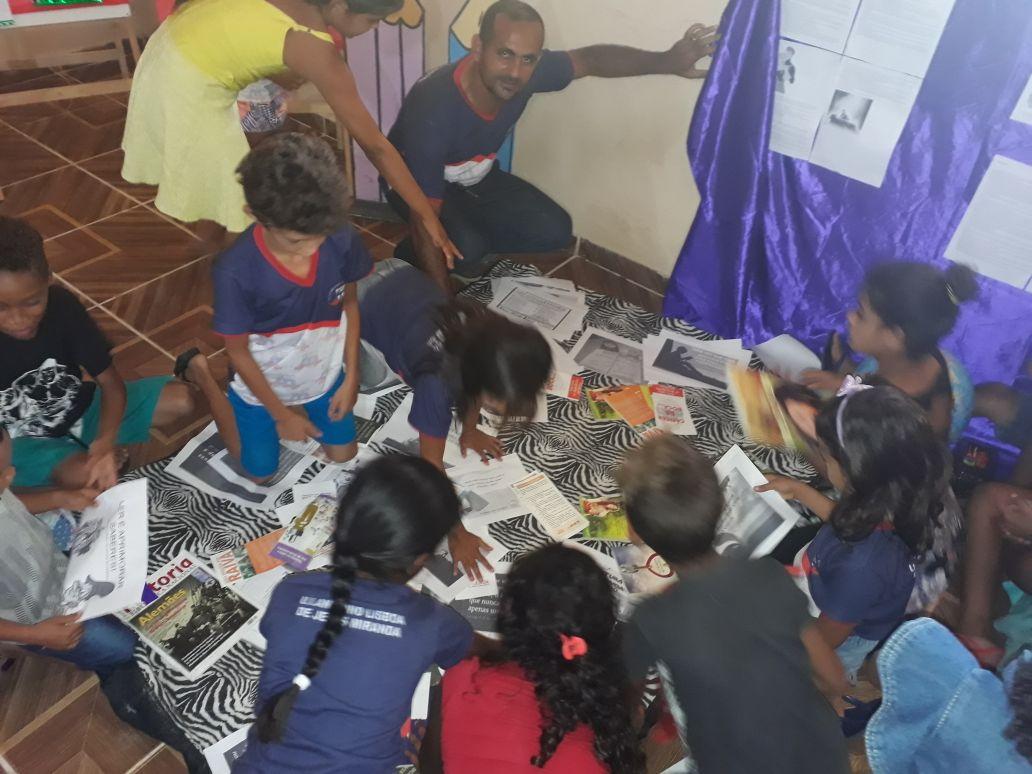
point(573, 647)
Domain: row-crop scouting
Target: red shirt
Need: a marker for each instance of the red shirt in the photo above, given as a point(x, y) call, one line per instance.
point(491, 722)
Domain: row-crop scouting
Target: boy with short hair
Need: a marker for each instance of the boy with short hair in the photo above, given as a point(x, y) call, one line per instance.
point(67, 431)
point(286, 304)
point(733, 638)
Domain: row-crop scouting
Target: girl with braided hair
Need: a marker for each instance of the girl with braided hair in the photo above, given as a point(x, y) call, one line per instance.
point(346, 649)
point(553, 697)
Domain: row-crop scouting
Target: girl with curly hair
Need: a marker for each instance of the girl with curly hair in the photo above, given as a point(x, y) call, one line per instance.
point(554, 697)
point(346, 649)
point(892, 473)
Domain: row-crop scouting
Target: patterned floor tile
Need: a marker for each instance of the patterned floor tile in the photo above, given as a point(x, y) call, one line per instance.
point(391, 231)
point(19, 80)
point(24, 114)
point(151, 306)
point(591, 277)
point(138, 358)
point(23, 158)
point(192, 329)
point(544, 262)
point(89, 73)
point(97, 111)
point(108, 167)
point(74, 137)
point(625, 267)
point(70, 193)
point(77, 248)
point(148, 247)
point(115, 332)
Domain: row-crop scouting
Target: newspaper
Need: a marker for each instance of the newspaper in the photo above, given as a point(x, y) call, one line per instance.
point(313, 521)
point(612, 356)
point(546, 503)
point(194, 620)
point(556, 313)
point(485, 491)
point(803, 87)
point(672, 358)
point(751, 524)
point(239, 564)
point(205, 464)
point(107, 565)
point(672, 415)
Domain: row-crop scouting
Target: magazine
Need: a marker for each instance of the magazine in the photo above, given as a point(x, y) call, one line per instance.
point(752, 523)
point(195, 620)
point(107, 563)
point(763, 417)
point(606, 517)
point(633, 404)
point(598, 404)
point(672, 415)
point(238, 564)
point(312, 523)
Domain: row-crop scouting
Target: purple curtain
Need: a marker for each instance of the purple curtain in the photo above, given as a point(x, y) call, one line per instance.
point(781, 246)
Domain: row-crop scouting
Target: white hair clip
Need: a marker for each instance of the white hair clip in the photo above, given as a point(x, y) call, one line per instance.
point(302, 682)
point(852, 385)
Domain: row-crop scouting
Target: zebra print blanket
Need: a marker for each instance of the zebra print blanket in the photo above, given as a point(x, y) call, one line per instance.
point(576, 451)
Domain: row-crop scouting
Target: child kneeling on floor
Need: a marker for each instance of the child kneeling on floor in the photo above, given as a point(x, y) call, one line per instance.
point(740, 656)
point(346, 649)
point(285, 303)
point(67, 431)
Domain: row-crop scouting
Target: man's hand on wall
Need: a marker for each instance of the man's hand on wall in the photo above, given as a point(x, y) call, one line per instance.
point(698, 43)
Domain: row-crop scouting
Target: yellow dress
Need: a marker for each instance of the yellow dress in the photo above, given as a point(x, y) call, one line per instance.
point(183, 131)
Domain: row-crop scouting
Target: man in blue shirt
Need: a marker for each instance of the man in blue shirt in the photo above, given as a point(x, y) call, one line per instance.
point(456, 118)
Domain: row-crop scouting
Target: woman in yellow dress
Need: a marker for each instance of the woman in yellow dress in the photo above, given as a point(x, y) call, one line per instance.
point(183, 130)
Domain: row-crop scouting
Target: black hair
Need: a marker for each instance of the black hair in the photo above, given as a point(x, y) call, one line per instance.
point(293, 181)
point(381, 8)
point(556, 591)
point(896, 467)
point(672, 498)
point(516, 10)
point(491, 354)
point(396, 509)
point(21, 248)
point(920, 300)
point(1020, 729)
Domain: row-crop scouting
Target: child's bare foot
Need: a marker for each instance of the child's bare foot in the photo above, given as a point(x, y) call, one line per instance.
point(198, 371)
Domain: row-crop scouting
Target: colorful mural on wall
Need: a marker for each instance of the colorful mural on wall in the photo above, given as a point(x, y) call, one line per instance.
point(460, 42)
point(386, 62)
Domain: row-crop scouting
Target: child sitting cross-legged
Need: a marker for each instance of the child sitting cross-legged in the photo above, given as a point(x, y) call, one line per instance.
point(285, 303)
point(742, 662)
point(892, 473)
point(554, 698)
point(69, 432)
point(347, 648)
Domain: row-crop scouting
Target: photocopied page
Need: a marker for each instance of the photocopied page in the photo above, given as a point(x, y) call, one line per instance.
point(899, 34)
point(610, 355)
point(1023, 110)
point(868, 110)
point(995, 235)
point(555, 315)
point(804, 85)
point(549, 506)
point(823, 23)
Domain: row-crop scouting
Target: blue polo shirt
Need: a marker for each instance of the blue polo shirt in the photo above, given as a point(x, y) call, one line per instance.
point(444, 139)
point(400, 318)
point(350, 718)
point(867, 582)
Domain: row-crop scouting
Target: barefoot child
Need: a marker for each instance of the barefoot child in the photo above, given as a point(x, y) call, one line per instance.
point(67, 431)
point(285, 303)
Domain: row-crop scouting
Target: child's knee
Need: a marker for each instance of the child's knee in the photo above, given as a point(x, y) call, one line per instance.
point(177, 401)
point(341, 453)
point(996, 401)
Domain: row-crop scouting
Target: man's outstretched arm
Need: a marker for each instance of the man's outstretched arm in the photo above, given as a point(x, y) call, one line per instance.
point(610, 61)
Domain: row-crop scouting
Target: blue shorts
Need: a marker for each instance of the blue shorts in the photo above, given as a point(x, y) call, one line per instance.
point(259, 441)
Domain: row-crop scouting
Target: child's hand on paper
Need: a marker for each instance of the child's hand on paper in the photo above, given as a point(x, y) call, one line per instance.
point(77, 499)
point(821, 381)
point(467, 551)
point(62, 632)
point(789, 488)
point(343, 400)
point(101, 465)
point(294, 427)
point(483, 444)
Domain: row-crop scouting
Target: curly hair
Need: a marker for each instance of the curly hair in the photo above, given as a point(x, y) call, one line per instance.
point(1020, 729)
point(21, 248)
point(895, 465)
point(292, 181)
point(396, 509)
point(492, 355)
point(556, 591)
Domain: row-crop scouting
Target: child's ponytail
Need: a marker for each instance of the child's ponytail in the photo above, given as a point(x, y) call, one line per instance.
point(920, 300)
point(272, 721)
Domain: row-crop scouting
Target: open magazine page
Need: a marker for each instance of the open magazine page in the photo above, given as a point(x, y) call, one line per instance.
point(243, 562)
point(312, 523)
point(764, 419)
point(206, 464)
point(107, 565)
point(195, 620)
point(752, 523)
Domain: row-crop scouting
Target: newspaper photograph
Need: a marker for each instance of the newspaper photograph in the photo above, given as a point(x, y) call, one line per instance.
point(205, 463)
point(610, 355)
point(313, 521)
point(107, 562)
point(485, 491)
point(644, 571)
point(543, 500)
point(675, 359)
point(804, 83)
point(440, 577)
point(195, 620)
point(752, 523)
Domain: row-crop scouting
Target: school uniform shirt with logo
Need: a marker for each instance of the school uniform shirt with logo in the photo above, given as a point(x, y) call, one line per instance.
point(350, 718)
point(444, 139)
point(42, 392)
point(294, 325)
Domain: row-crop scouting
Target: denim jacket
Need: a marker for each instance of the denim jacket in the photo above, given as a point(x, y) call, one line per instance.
point(940, 711)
